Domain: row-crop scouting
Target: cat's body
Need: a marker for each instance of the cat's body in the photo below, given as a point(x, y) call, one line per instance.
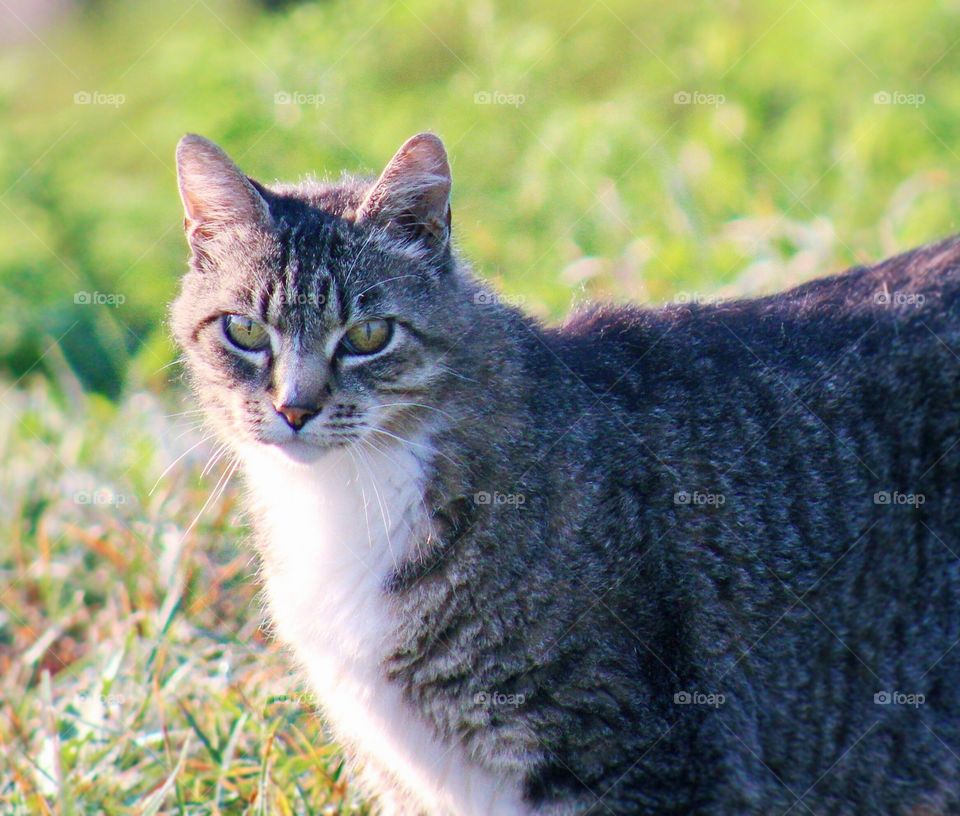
point(653, 562)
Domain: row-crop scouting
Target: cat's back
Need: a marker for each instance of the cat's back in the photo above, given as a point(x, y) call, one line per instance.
point(905, 309)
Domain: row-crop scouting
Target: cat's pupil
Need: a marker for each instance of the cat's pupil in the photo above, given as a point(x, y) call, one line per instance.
point(368, 337)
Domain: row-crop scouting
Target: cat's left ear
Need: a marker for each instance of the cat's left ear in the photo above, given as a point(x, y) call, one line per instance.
point(412, 195)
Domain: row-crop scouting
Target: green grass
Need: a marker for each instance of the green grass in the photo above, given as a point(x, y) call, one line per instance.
point(134, 676)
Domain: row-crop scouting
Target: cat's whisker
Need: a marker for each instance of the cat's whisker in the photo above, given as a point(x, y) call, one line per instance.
point(363, 495)
point(176, 361)
point(396, 463)
point(367, 441)
point(215, 457)
point(181, 456)
point(458, 375)
point(356, 260)
point(388, 280)
point(232, 468)
point(215, 494)
point(361, 460)
point(384, 513)
point(189, 428)
point(190, 422)
point(430, 448)
point(184, 413)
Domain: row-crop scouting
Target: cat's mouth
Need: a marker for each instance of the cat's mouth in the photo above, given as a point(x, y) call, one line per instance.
point(306, 451)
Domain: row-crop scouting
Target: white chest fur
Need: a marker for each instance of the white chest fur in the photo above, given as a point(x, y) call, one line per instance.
point(332, 531)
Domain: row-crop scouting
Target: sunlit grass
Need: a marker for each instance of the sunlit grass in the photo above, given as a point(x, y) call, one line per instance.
point(134, 676)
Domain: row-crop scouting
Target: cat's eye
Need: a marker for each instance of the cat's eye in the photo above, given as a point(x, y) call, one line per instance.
point(368, 337)
point(246, 333)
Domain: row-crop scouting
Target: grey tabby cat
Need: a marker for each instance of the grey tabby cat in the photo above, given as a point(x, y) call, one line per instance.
point(693, 560)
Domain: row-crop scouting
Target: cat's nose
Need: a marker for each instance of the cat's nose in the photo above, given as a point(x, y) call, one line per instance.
point(295, 415)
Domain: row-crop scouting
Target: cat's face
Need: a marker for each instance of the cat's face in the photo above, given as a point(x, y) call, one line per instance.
point(317, 316)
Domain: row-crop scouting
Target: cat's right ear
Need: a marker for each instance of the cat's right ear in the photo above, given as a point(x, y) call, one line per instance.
point(214, 191)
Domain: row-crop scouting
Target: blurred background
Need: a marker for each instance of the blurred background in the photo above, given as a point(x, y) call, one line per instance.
point(599, 149)
point(606, 149)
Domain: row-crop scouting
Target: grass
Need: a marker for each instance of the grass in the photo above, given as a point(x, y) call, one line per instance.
point(134, 675)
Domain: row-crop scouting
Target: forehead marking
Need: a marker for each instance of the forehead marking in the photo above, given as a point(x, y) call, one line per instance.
point(304, 293)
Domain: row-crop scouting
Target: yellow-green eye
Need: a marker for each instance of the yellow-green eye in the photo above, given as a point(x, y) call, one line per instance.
point(245, 333)
point(368, 337)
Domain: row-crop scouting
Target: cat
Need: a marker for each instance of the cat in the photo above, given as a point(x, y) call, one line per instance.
point(699, 559)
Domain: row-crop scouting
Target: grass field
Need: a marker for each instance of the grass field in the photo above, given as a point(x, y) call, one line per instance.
point(134, 676)
point(611, 149)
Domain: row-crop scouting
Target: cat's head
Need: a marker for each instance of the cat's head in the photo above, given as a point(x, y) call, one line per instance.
point(317, 315)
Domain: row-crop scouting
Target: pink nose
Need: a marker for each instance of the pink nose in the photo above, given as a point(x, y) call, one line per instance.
point(295, 415)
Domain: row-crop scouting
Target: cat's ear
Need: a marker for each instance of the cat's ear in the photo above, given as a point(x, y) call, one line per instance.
point(412, 195)
point(214, 191)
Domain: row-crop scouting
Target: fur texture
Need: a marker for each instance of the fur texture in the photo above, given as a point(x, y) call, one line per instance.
point(698, 559)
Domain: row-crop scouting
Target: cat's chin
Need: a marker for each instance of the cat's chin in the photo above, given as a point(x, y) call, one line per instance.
point(300, 452)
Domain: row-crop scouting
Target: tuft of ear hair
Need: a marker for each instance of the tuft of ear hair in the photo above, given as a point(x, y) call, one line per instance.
point(412, 196)
point(214, 191)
